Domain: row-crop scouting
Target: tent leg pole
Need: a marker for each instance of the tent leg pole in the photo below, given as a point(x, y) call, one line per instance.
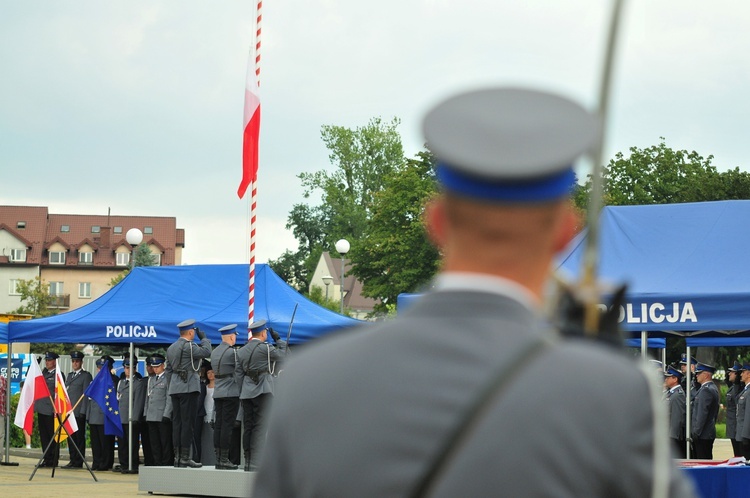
point(644, 345)
point(688, 385)
point(8, 377)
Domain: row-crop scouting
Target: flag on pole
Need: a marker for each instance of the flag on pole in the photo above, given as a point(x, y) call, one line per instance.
point(251, 130)
point(102, 391)
point(63, 409)
point(34, 388)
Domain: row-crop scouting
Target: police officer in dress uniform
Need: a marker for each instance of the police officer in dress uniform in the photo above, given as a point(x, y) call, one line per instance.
point(226, 394)
point(102, 445)
point(743, 412)
point(256, 368)
point(675, 398)
point(158, 412)
point(123, 398)
point(76, 383)
point(733, 390)
point(386, 399)
point(46, 412)
point(183, 362)
point(704, 412)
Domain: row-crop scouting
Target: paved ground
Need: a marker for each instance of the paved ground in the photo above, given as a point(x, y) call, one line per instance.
point(14, 480)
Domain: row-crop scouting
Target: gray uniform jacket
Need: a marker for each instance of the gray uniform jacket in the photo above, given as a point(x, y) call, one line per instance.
point(76, 384)
point(157, 404)
point(185, 356)
point(139, 398)
point(224, 362)
point(704, 412)
point(44, 406)
point(259, 357)
point(676, 412)
point(360, 414)
point(731, 406)
point(743, 415)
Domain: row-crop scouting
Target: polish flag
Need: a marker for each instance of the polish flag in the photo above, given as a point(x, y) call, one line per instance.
point(34, 388)
point(63, 408)
point(252, 130)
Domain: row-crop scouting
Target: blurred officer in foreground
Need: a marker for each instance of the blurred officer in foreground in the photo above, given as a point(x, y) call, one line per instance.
point(675, 398)
point(157, 411)
point(704, 412)
point(76, 383)
point(45, 412)
point(256, 369)
point(734, 386)
point(183, 362)
point(102, 445)
point(403, 389)
point(226, 394)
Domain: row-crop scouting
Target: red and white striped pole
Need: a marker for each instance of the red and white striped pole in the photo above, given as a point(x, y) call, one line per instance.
point(254, 183)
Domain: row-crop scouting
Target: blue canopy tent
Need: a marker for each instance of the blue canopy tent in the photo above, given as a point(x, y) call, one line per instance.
point(686, 266)
point(3, 333)
point(654, 343)
point(148, 304)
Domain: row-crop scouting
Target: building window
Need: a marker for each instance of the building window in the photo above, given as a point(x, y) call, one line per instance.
point(13, 288)
point(123, 258)
point(85, 258)
point(84, 290)
point(118, 230)
point(21, 225)
point(55, 288)
point(18, 255)
point(96, 229)
point(65, 228)
point(57, 258)
point(157, 259)
point(148, 230)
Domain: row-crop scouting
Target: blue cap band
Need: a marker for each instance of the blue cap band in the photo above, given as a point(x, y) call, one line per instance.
point(542, 189)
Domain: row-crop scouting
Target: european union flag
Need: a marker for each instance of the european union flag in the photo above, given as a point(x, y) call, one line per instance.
point(102, 391)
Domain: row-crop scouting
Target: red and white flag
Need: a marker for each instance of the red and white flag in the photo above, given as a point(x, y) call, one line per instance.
point(252, 130)
point(63, 408)
point(34, 388)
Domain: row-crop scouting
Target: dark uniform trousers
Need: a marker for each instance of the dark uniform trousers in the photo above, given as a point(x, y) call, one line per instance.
point(680, 448)
point(79, 438)
point(184, 408)
point(46, 430)
point(226, 413)
point(102, 448)
point(703, 449)
point(160, 436)
point(122, 447)
point(254, 411)
point(148, 454)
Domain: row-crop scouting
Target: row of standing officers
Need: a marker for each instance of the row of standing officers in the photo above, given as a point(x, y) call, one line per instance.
point(166, 402)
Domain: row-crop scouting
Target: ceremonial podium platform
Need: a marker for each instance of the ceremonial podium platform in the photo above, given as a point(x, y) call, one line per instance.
point(206, 481)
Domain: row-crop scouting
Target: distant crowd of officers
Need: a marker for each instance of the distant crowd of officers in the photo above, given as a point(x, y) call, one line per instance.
point(705, 400)
point(226, 388)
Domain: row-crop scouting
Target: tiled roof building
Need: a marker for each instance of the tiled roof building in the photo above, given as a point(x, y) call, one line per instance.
point(77, 255)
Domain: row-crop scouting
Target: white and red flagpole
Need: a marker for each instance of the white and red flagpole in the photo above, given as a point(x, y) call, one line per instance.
point(250, 139)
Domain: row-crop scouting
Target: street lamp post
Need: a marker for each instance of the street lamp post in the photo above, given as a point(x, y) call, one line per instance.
point(342, 246)
point(327, 280)
point(133, 237)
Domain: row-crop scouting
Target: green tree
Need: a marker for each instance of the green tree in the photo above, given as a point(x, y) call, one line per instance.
point(395, 255)
point(317, 295)
point(142, 257)
point(35, 298)
point(661, 175)
point(290, 267)
point(362, 158)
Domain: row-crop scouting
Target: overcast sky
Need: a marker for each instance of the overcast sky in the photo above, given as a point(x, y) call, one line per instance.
point(137, 105)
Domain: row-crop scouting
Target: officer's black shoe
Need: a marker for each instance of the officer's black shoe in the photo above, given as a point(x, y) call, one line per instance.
point(224, 463)
point(186, 461)
point(117, 468)
point(128, 471)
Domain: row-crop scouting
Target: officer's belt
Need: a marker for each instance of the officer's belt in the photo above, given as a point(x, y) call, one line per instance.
point(223, 376)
